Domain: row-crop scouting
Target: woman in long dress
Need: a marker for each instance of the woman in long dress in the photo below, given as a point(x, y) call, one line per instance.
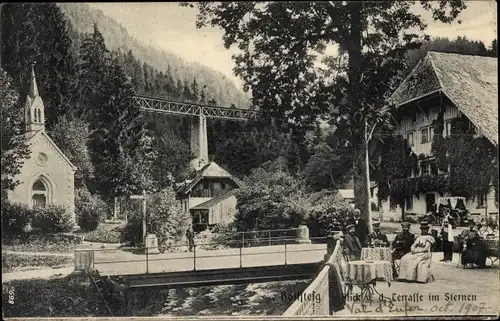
point(414, 266)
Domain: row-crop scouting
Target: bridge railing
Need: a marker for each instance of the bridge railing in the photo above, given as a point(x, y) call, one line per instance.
point(135, 260)
point(316, 298)
point(260, 237)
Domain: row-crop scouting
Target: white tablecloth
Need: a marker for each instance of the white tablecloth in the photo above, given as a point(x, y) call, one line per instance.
point(364, 272)
point(376, 254)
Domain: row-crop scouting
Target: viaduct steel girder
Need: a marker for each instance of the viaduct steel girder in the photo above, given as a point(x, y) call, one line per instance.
point(153, 104)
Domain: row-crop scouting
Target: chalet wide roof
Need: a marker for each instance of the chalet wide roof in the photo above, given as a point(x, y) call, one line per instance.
point(214, 201)
point(211, 170)
point(470, 82)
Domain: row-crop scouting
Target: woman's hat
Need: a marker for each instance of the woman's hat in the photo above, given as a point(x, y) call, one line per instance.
point(375, 223)
point(424, 225)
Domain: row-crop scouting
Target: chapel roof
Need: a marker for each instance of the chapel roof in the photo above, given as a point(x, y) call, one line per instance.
point(470, 82)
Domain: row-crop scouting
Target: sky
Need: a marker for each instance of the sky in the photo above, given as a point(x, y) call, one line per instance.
point(172, 28)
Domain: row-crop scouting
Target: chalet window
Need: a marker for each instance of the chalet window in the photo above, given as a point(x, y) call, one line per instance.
point(201, 217)
point(425, 169)
point(409, 202)
point(409, 138)
point(222, 186)
point(447, 129)
point(426, 136)
point(205, 185)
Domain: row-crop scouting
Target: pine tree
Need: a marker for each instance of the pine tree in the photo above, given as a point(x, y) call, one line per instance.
point(71, 134)
point(202, 96)
point(93, 67)
point(13, 147)
point(179, 88)
point(113, 140)
point(170, 82)
point(194, 90)
point(49, 45)
point(186, 92)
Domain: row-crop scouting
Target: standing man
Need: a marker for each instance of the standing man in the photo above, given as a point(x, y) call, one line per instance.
point(360, 226)
point(447, 240)
point(190, 237)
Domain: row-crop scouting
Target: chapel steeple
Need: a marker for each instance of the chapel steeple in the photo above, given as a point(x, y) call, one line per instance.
point(34, 110)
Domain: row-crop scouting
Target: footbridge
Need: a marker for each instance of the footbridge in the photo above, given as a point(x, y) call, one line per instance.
point(255, 261)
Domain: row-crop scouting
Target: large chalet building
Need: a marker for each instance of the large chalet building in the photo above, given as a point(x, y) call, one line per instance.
point(465, 86)
point(209, 196)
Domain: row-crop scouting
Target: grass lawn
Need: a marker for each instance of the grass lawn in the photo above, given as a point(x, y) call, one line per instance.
point(40, 243)
point(16, 262)
point(105, 233)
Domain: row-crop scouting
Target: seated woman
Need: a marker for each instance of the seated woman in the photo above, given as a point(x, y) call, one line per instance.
point(414, 266)
point(474, 249)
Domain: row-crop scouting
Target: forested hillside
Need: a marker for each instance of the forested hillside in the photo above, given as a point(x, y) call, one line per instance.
point(158, 63)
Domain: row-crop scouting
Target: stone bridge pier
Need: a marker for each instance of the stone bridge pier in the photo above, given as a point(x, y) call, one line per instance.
point(199, 141)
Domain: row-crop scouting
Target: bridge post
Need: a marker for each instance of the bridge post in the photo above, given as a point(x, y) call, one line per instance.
point(330, 246)
point(84, 261)
point(303, 235)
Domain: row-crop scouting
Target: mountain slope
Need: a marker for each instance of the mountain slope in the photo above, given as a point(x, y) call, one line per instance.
point(82, 17)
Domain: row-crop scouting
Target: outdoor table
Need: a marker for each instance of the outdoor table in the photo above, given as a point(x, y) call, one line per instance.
point(376, 254)
point(365, 273)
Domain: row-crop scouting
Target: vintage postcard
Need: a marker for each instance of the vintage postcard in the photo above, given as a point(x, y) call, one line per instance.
point(256, 160)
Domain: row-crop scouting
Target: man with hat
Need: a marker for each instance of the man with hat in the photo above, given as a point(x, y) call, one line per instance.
point(377, 238)
point(402, 244)
point(360, 226)
point(352, 243)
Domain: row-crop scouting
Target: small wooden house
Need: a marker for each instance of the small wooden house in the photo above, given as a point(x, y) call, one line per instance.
point(209, 196)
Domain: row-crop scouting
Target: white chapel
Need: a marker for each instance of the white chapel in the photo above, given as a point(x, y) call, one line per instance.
point(47, 176)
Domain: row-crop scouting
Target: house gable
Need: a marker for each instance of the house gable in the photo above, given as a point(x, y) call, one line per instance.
point(41, 136)
point(472, 87)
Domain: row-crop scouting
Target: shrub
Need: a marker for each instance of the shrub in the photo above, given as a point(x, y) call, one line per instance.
point(326, 206)
point(90, 209)
point(166, 220)
point(52, 219)
point(15, 219)
point(105, 234)
point(132, 232)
